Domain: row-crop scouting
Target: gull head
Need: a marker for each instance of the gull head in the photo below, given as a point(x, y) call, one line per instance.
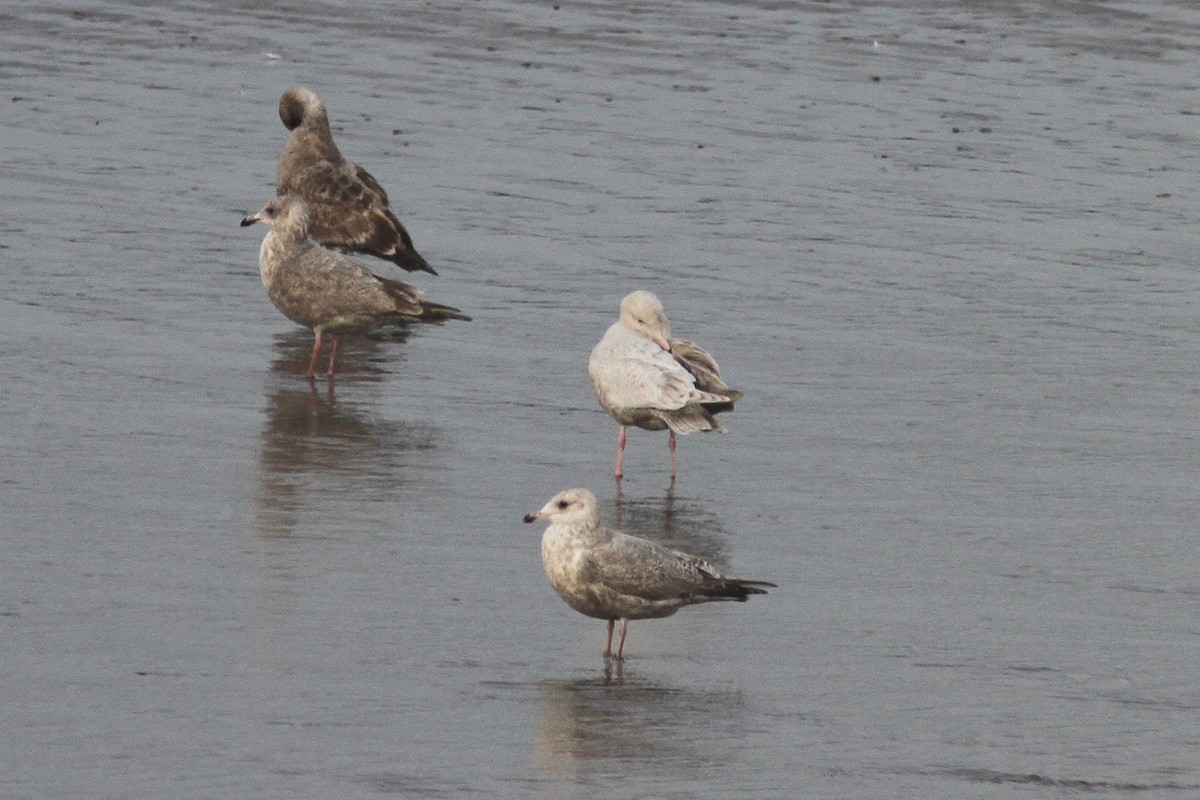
point(571, 506)
point(642, 313)
point(287, 212)
point(298, 106)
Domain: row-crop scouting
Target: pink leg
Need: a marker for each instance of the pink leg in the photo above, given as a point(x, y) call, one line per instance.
point(312, 365)
point(621, 644)
point(671, 447)
point(608, 644)
point(332, 355)
point(620, 450)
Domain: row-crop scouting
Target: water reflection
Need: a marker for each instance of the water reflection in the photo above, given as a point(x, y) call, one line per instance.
point(315, 445)
point(597, 726)
point(679, 523)
point(359, 358)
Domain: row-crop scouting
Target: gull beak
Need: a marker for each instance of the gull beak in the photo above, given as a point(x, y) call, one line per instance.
point(533, 516)
point(250, 220)
point(658, 340)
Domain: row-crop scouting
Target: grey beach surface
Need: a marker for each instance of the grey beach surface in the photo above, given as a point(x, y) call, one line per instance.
point(947, 250)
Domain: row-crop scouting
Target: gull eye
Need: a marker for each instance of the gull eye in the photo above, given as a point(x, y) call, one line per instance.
point(563, 504)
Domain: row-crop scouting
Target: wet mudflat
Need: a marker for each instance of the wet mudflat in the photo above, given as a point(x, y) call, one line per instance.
point(948, 251)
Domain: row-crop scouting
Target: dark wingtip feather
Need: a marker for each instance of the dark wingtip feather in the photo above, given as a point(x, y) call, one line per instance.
point(718, 408)
point(436, 312)
point(412, 261)
point(744, 589)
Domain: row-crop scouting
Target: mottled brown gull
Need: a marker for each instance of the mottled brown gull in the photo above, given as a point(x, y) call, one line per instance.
point(643, 377)
point(326, 290)
point(347, 207)
point(614, 576)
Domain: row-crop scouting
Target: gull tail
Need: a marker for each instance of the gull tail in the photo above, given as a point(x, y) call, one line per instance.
point(740, 588)
point(409, 304)
point(436, 312)
point(386, 236)
point(692, 418)
point(704, 369)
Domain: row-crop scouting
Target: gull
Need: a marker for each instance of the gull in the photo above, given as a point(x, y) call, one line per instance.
point(614, 576)
point(328, 291)
point(348, 209)
point(643, 377)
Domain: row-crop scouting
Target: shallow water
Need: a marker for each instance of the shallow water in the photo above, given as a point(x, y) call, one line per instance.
point(947, 249)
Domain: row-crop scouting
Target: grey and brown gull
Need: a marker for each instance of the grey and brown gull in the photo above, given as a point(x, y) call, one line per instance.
point(643, 377)
point(348, 209)
point(328, 291)
point(610, 575)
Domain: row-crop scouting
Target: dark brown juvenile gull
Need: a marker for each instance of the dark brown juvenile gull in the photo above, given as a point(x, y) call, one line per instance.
point(643, 377)
point(347, 207)
point(614, 576)
point(326, 290)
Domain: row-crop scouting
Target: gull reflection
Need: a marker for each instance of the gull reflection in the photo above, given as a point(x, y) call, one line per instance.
point(359, 358)
point(314, 444)
point(593, 726)
point(679, 523)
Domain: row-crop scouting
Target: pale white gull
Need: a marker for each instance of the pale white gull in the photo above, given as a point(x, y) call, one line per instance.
point(614, 576)
point(643, 377)
point(347, 207)
point(326, 290)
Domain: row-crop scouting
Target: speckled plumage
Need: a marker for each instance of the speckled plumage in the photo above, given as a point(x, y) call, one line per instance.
point(611, 575)
point(326, 290)
point(642, 377)
point(348, 209)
